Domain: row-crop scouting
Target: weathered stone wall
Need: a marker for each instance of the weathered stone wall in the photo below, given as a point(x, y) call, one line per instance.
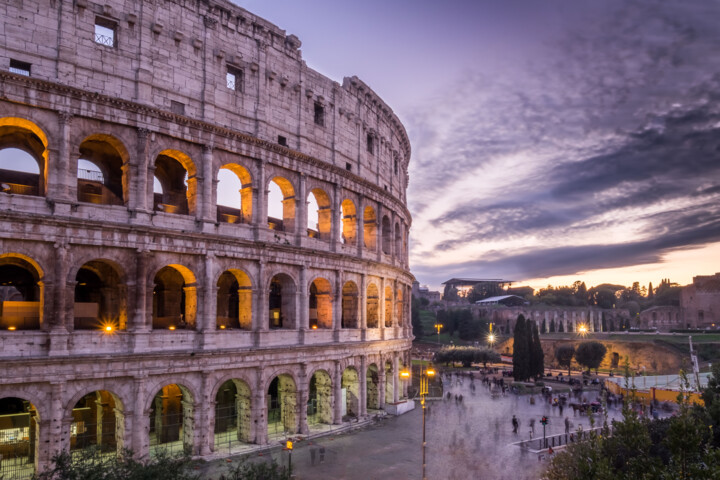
point(158, 96)
point(700, 302)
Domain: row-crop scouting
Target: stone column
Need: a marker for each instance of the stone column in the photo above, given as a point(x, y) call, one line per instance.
point(360, 236)
point(260, 305)
point(139, 185)
point(381, 383)
point(208, 212)
point(259, 411)
point(335, 218)
point(140, 419)
point(337, 304)
point(141, 319)
point(58, 323)
point(303, 392)
point(379, 233)
point(395, 370)
point(210, 287)
point(59, 430)
point(260, 200)
point(362, 391)
point(381, 308)
point(337, 393)
point(301, 210)
point(205, 429)
point(65, 179)
point(362, 306)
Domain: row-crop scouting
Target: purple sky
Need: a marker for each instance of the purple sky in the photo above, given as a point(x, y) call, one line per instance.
point(552, 140)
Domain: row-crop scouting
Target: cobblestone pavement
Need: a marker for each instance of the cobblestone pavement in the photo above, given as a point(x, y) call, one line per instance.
point(468, 439)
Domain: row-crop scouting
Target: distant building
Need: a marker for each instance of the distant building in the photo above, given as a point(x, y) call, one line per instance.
point(423, 291)
point(664, 318)
point(700, 302)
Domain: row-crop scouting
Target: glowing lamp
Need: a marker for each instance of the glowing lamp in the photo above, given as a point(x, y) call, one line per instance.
point(491, 338)
point(11, 328)
point(404, 373)
point(108, 328)
point(172, 327)
point(430, 372)
point(222, 327)
point(314, 327)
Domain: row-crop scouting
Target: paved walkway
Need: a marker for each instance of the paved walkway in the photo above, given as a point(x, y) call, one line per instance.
point(466, 439)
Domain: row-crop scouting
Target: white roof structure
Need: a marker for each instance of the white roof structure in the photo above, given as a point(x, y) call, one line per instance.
point(495, 300)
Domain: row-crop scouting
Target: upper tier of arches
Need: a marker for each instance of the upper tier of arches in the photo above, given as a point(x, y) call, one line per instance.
point(163, 176)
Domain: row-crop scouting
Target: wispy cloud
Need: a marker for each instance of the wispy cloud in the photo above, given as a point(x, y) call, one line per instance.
point(603, 153)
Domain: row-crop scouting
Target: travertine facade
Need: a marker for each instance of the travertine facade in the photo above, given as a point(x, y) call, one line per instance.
point(137, 311)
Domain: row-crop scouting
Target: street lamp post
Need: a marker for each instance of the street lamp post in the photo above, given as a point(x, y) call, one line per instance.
point(425, 375)
point(438, 326)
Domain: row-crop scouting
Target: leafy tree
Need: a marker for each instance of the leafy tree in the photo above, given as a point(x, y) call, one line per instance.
point(257, 471)
point(590, 354)
point(466, 355)
point(521, 350)
point(552, 326)
point(711, 397)
point(90, 465)
point(450, 294)
point(564, 354)
point(417, 327)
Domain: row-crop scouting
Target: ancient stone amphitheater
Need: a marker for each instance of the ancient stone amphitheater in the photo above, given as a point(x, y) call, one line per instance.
point(203, 242)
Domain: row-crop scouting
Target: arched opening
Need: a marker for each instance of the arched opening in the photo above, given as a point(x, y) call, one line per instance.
point(348, 236)
point(282, 301)
point(100, 178)
point(398, 241)
point(281, 205)
point(319, 214)
point(100, 298)
point(172, 421)
point(370, 228)
point(388, 307)
point(320, 406)
point(320, 304)
point(349, 305)
point(98, 423)
point(386, 235)
point(234, 301)
point(373, 387)
point(399, 306)
point(19, 433)
point(233, 415)
point(23, 157)
point(351, 387)
point(389, 382)
point(174, 298)
point(372, 306)
point(21, 294)
point(234, 194)
point(282, 406)
point(175, 173)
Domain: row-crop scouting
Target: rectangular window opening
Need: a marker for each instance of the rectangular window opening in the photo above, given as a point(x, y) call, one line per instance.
point(21, 68)
point(282, 141)
point(319, 114)
point(105, 31)
point(177, 107)
point(371, 144)
point(395, 167)
point(234, 79)
point(348, 167)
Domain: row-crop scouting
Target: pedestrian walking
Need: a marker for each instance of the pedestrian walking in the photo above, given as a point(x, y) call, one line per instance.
point(532, 426)
point(515, 424)
point(567, 425)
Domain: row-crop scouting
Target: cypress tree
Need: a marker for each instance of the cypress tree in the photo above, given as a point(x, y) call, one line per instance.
point(537, 357)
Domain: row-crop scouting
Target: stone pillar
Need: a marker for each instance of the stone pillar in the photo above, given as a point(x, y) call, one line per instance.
point(335, 218)
point(260, 200)
point(337, 393)
point(360, 225)
point(395, 370)
point(381, 308)
point(58, 323)
point(260, 303)
point(303, 316)
point(362, 378)
point(65, 181)
point(362, 306)
point(205, 408)
point(140, 321)
point(337, 304)
point(209, 312)
point(259, 411)
point(381, 383)
point(303, 392)
point(301, 210)
point(379, 233)
point(139, 185)
point(58, 436)
point(140, 419)
point(208, 212)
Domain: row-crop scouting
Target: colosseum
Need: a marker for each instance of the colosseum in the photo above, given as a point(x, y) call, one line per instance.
point(204, 241)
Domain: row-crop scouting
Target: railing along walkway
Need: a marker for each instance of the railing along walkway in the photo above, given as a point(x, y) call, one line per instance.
point(561, 440)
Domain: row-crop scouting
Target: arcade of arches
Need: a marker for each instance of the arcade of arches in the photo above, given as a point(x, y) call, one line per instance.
point(222, 411)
